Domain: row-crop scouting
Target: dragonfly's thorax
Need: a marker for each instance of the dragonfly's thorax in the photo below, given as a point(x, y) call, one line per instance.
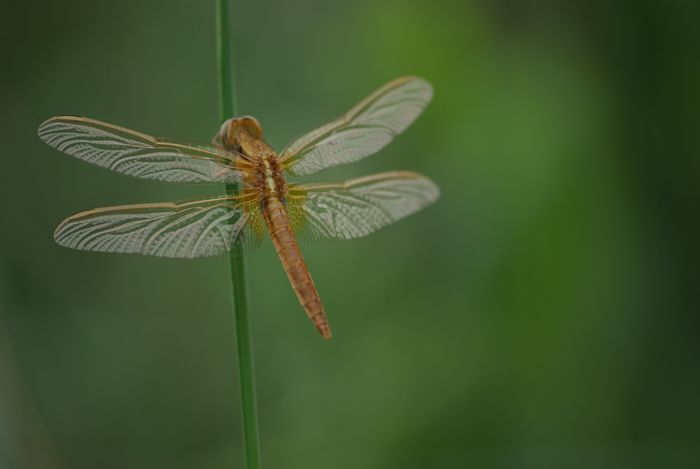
point(269, 181)
point(244, 135)
point(266, 178)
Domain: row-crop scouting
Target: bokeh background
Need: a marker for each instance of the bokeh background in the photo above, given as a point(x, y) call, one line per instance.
point(543, 314)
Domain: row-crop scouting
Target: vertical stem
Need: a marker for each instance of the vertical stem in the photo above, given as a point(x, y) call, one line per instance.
point(224, 55)
point(227, 109)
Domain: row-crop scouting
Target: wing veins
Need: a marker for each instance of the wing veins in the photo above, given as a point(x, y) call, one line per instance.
point(370, 125)
point(134, 153)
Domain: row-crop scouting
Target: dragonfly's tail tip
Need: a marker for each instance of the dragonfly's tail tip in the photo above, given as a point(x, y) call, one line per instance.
point(325, 331)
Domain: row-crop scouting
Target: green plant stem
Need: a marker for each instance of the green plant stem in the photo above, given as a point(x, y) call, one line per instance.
point(246, 375)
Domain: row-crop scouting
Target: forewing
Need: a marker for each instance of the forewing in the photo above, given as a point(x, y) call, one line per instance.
point(139, 155)
point(356, 208)
point(195, 228)
point(362, 131)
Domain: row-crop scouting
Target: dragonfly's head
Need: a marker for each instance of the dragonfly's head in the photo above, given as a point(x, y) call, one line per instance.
point(233, 129)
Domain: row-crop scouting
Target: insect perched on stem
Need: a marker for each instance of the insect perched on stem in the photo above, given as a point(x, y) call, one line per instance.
point(317, 212)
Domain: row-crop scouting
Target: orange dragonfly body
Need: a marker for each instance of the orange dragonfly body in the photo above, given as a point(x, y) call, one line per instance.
point(316, 212)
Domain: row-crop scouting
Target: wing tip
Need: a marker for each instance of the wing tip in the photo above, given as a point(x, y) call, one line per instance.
point(62, 117)
point(59, 229)
point(432, 193)
point(418, 80)
point(435, 191)
point(44, 126)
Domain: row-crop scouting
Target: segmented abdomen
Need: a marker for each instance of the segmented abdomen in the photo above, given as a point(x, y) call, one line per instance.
point(293, 263)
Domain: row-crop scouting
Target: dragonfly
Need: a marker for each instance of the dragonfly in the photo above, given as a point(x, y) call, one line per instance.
point(264, 197)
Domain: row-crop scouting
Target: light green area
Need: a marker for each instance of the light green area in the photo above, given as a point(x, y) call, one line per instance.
point(542, 314)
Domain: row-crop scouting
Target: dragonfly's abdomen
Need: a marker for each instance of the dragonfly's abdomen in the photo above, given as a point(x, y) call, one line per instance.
point(293, 262)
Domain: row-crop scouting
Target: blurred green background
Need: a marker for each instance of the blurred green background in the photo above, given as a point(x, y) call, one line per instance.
point(543, 314)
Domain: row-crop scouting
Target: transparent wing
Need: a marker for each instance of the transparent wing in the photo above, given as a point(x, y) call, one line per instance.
point(195, 228)
point(253, 231)
point(140, 155)
point(356, 208)
point(362, 131)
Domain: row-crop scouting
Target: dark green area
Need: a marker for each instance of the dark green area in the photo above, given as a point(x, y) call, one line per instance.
point(543, 314)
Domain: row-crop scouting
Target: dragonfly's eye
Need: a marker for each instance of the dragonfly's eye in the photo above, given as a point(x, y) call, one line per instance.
point(228, 135)
point(220, 138)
